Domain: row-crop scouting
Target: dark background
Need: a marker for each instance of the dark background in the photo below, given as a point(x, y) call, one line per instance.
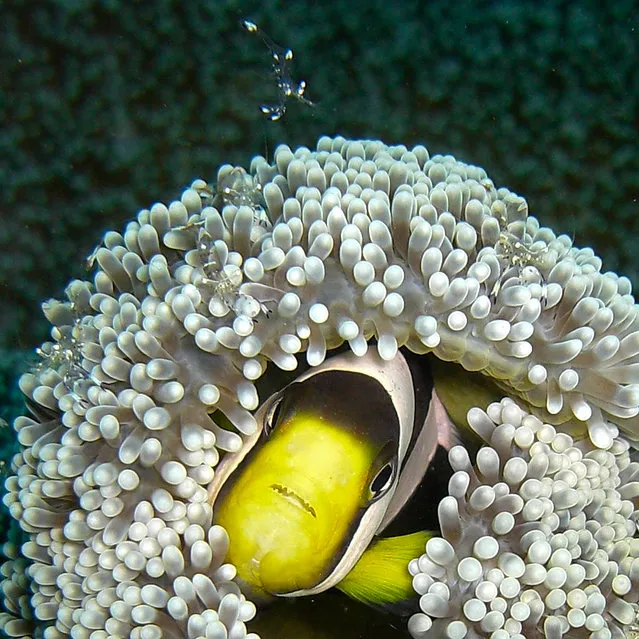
point(107, 107)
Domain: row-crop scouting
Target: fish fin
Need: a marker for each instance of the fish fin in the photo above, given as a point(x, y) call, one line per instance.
point(459, 390)
point(448, 432)
point(380, 578)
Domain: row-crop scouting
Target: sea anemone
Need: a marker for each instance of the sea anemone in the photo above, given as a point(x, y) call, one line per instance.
point(150, 378)
point(538, 537)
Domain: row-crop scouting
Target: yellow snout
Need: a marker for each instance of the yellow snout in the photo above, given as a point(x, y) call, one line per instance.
point(294, 503)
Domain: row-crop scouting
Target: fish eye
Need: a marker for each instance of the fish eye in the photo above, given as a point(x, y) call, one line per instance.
point(273, 414)
point(382, 481)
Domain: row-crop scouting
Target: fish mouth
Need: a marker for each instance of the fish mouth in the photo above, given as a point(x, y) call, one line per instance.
point(292, 497)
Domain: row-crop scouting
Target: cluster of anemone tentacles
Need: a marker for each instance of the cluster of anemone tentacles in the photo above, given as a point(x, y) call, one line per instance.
point(355, 240)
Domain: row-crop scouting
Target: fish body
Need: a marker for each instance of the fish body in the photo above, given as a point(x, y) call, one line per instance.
point(338, 454)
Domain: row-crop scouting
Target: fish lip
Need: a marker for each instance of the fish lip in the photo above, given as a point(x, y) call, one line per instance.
point(292, 497)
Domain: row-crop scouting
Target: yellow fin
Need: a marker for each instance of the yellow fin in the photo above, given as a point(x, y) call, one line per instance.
point(459, 390)
point(381, 576)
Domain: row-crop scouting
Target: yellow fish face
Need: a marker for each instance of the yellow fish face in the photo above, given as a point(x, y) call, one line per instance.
point(294, 503)
point(291, 508)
